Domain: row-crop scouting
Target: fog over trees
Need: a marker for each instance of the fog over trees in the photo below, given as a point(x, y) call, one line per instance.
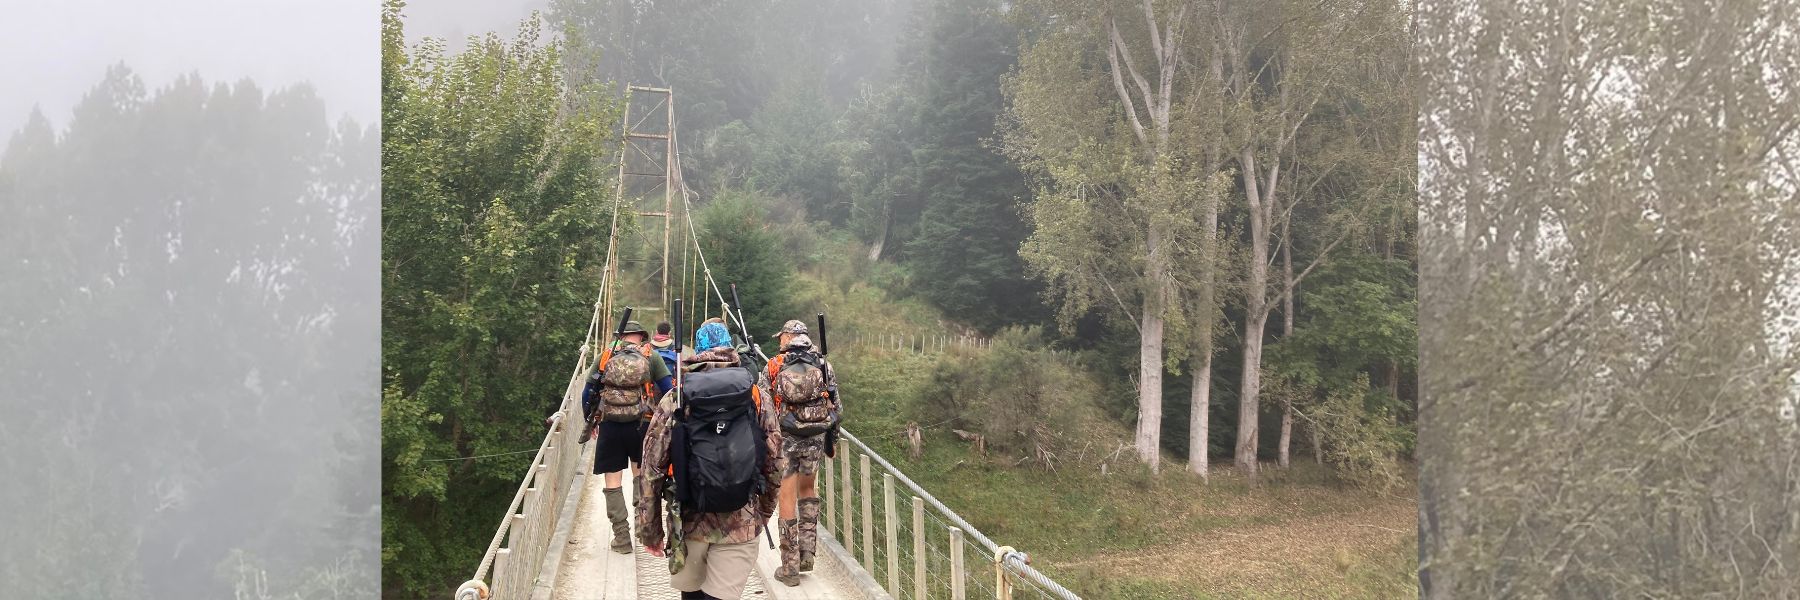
point(188, 315)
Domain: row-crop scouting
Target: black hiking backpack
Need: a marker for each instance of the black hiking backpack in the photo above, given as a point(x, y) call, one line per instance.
point(718, 446)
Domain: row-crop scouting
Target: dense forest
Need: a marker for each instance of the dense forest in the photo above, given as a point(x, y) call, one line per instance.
point(1186, 228)
point(189, 315)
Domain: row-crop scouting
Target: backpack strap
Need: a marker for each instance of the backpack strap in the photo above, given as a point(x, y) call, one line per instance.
point(775, 363)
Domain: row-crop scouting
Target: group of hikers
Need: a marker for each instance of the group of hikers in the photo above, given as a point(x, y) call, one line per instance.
point(736, 442)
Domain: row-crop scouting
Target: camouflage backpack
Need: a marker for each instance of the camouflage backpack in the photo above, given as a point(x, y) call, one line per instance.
point(625, 383)
point(798, 380)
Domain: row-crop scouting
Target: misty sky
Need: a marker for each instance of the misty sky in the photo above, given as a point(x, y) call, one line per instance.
point(56, 50)
point(456, 20)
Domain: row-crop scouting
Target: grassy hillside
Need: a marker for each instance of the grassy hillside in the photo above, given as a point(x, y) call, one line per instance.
point(1121, 533)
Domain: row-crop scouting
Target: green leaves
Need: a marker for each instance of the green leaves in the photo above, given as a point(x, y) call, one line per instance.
point(494, 231)
point(742, 250)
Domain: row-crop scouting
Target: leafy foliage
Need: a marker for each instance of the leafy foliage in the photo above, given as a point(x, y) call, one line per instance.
point(741, 249)
point(1362, 440)
point(1358, 317)
point(1024, 399)
point(966, 250)
point(494, 231)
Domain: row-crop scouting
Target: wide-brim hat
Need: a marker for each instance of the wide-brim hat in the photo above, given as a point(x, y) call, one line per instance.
point(634, 327)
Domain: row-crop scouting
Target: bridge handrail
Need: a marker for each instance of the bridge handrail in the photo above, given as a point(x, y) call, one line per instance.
point(559, 467)
point(1012, 560)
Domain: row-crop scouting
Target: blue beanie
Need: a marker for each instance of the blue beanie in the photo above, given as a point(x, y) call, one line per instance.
point(711, 335)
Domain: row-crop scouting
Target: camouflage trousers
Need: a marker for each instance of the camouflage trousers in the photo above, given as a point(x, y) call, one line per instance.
point(803, 454)
point(799, 541)
point(800, 536)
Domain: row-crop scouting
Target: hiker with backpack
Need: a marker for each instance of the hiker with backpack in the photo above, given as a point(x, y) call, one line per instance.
point(665, 346)
point(806, 396)
point(713, 461)
point(620, 391)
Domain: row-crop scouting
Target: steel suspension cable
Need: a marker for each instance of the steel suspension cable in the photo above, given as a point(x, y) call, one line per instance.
point(694, 237)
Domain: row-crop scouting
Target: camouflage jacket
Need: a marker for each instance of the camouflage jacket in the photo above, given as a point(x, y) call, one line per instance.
point(728, 528)
point(830, 375)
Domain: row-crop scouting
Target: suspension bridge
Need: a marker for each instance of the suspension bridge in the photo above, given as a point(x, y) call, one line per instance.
point(883, 537)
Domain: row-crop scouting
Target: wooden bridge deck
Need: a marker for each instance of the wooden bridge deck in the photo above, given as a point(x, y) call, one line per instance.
point(588, 569)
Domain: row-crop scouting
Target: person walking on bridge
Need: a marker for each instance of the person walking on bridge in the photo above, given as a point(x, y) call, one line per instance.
point(806, 394)
point(713, 451)
point(620, 391)
point(664, 345)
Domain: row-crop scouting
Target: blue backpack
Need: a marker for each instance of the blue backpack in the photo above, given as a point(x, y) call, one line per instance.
point(669, 358)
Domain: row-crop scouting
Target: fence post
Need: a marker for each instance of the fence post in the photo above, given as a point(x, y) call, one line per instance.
point(956, 565)
point(893, 557)
point(849, 533)
point(830, 496)
point(543, 522)
point(868, 517)
point(918, 549)
point(522, 550)
point(502, 567)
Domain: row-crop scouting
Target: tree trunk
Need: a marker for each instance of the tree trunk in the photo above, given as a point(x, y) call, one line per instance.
point(1393, 379)
point(887, 218)
point(1287, 321)
point(1287, 432)
point(1198, 417)
point(1318, 449)
point(1150, 353)
point(1256, 316)
point(1198, 431)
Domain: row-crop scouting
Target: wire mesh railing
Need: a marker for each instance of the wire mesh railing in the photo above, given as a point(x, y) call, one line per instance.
point(914, 546)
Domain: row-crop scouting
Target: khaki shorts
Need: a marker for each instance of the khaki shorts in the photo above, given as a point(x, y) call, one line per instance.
point(720, 570)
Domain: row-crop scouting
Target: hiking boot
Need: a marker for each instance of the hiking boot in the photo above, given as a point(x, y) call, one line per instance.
point(621, 521)
point(789, 572)
point(806, 532)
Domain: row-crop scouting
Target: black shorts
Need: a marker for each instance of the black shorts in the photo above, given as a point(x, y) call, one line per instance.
point(619, 443)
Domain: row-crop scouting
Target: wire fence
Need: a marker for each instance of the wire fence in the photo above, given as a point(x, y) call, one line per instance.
point(911, 544)
point(902, 341)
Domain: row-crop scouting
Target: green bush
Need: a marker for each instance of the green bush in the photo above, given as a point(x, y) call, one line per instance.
point(742, 248)
point(1025, 400)
point(1362, 444)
